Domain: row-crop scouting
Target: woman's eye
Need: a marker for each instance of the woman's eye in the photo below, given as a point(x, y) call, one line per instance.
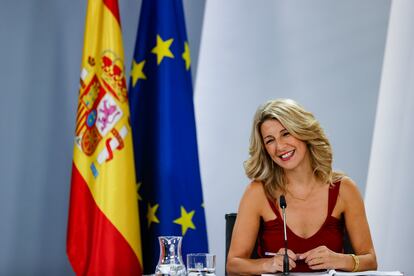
point(285, 133)
point(267, 142)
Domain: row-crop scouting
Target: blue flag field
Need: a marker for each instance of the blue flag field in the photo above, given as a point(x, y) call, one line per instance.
point(164, 133)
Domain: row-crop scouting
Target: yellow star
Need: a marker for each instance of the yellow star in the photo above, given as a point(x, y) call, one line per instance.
point(186, 56)
point(138, 187)
point(151, 217)
point(185, 220)
point(136, 72)
point(162, 49)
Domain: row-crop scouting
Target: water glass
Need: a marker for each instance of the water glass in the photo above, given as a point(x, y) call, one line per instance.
point(201, 264)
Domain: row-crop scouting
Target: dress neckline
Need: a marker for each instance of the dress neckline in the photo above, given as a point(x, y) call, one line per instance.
point(332, 191)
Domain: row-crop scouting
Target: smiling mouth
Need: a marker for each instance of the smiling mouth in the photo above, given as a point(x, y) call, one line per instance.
point(286, 156)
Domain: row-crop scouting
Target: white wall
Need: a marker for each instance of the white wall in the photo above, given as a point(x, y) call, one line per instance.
point(325, 54)
point(390, 187)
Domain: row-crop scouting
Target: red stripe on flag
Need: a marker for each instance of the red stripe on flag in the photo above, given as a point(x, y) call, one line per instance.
point(112, 5)
point(94, 245)
point(80, 111)
point(80, 120)
point(79, 129)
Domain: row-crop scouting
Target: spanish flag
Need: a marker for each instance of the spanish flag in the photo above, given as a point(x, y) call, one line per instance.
point(103, 235)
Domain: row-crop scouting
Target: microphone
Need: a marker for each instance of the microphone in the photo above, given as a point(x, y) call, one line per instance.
point(283, 205)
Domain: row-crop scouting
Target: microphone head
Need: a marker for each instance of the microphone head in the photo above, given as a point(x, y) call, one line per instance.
point(282, 202)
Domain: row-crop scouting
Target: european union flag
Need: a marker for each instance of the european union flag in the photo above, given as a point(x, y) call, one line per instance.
point(164, 132)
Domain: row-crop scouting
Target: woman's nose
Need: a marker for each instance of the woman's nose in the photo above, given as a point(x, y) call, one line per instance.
point(279, 143)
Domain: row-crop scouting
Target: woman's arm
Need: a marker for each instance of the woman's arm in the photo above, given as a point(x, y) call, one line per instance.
point(357, 227)
point(244, 236)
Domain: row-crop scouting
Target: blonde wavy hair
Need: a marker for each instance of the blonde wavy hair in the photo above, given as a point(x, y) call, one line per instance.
point(302, 125)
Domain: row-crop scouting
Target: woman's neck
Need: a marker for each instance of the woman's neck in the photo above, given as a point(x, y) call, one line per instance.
point(301, 186)
point(301, 175)
point(302, 178)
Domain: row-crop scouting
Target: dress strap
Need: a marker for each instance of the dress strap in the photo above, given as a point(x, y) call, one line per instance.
point(333, 196)
point(274, 208)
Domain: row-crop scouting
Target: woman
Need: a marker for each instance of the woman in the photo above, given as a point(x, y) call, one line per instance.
point(291, 156)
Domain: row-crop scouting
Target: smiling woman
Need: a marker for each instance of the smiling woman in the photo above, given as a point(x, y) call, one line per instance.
point(291, 156)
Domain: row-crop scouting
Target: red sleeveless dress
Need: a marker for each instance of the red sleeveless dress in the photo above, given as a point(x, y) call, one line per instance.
point(271, 236)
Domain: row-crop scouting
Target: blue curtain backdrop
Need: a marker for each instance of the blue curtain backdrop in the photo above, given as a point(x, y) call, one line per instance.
point(164, 132)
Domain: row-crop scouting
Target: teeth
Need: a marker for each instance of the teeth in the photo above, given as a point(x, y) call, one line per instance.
point(286, 155)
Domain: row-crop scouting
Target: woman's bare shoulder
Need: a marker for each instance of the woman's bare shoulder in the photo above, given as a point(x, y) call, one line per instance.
point(348, 187)
point(254, 194)
point(255, 187)
point(349, 191)
point(256, 190)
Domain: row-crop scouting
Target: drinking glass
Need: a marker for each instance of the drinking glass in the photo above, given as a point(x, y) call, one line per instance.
point(201, 264)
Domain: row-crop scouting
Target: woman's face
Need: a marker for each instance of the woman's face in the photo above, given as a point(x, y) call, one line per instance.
point(285, 150)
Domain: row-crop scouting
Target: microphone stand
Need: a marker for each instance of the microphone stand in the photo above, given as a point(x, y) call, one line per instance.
point(283, 205)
